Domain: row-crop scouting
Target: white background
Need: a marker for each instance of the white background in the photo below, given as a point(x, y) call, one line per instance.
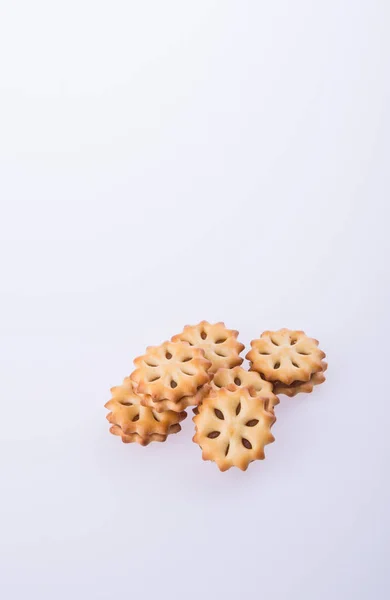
point(163, 163)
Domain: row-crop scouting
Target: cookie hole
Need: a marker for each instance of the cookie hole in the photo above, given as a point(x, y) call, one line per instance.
point(173, 384)
point(237, 381)
point(203, 335)
point(219, 414)
point(168, 355)
point(125, 403)
point(274, 342)
point(186, 372)
point(217, 385)
point(227, 449)
point(150, 364)
point(277, 365)
point(246, 443)
point(155, 416)
point(220, 341)
point(252, 423)
point(238, 409)
point(151, 379)
point(293, 342)
point(214, 434)
point(135, 418)
point(220, 354)
point(186, 359)
point(303, 353)
point(294, 364)
point(264, 353)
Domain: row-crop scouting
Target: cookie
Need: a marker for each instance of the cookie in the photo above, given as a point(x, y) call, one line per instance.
point(233, 427)
point(136, 423)
point(285, 356)
point(242, 378)
point(299, 386)
point(170, 371)
point(220, 345)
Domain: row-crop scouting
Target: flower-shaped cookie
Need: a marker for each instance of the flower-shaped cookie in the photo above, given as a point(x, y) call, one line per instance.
point(135, 423)
point(170, 371)
point(285, 356)
point(242, 378)
point(301, 386)
point(220, 345)
point(233, 427)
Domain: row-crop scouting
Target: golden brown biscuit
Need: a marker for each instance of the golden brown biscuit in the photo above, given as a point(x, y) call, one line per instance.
point(233, 427)
point(136, 423)
point(170, 371)
point(299, 386)
point(181, 404)
point(285, 356)
point(220, 345)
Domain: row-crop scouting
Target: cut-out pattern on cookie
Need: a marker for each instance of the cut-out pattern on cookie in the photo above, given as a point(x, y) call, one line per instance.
point(170, 371)
point(233, 427)
point(220, 344)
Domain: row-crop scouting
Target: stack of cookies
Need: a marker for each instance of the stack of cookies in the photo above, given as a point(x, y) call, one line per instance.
point(290, 360)
point(234, 408)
